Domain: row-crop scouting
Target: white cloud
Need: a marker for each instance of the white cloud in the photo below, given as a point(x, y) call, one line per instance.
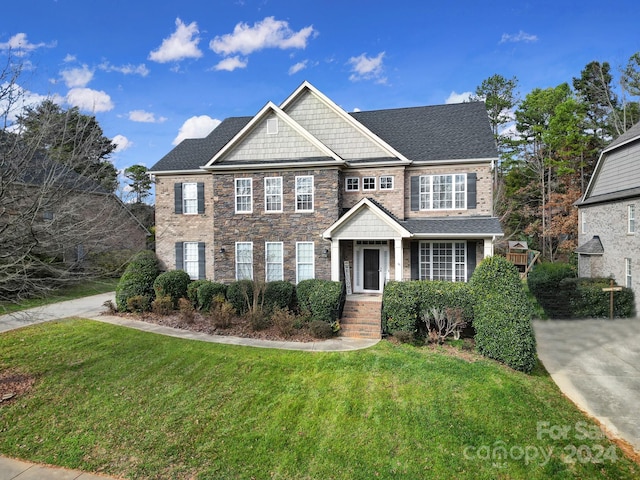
point(181, 44)
point(356, 109)
point(77, 77)
point(297, 67)
point(69, 58)
point(89, 100)
point(20, 46)
point(455, 97)
point(18, 98)
point(367, 68)
point(268, 33)
point(518, 37)
point(145, 117)
point(122, 143)
point(231, 63)
point(196, 127)
point(128, 69)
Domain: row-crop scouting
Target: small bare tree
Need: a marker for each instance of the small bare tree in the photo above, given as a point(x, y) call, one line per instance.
point(443, 323)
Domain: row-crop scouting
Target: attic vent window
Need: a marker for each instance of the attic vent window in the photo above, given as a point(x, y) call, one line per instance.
point(272, 126)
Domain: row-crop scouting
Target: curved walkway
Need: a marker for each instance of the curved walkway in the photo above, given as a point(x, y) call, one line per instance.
point(92, 308)
point(596, 363)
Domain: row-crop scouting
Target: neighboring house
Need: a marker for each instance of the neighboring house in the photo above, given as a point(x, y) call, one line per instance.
point(304, 189)
point(609, 230)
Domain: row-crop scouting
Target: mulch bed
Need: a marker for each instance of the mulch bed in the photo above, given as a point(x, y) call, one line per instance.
point(13, 384)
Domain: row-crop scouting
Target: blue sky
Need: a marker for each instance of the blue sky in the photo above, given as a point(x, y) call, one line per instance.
point(156, 71)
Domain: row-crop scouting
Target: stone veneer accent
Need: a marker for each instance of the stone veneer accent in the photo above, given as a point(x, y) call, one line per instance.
point(181, 227)
point(259, 227)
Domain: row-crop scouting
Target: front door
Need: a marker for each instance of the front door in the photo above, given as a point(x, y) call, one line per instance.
point(371, 269)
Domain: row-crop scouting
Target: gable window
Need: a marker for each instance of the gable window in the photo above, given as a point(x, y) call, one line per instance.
point(47, 216)
point(190, 257)
point(443, 192)
point(244, 260)
point(244, 195)
point(631, 216)
point(273, 194)
point(272, 126)
point(386, 182)
point(352, 184)
point(583, 221)
point(304, 193)
point(369, 183)
point(443, 261)
point(273, 261)
point(189, 198)
point(304, 261)
point(627, 271)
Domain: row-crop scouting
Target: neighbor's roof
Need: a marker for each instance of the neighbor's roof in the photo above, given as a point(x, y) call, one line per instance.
point(422, 134)
point(592, 247)
point(631, 134)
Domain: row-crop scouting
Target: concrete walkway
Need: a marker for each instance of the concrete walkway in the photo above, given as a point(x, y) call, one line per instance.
point(92, 308)
point(596, 363)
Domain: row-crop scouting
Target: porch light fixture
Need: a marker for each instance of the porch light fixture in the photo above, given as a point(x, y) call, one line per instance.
point(325, 253)
point(222, 250)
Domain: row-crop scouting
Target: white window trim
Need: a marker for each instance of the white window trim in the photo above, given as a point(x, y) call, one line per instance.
point(196, 270)
point(453, 192)
point(313, 260)
point(251, 249)
point(185, 198)
point(267, 263)
point(392, 182)
point(312, 193)
point(235, 184)
point(280, 195)
point(631, 219)
point(628, 279)
point(346, 184)
point(453, 259)
point(375, 182)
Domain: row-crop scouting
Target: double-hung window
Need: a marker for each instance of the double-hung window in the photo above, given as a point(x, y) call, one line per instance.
point(443, 261)
point(190, 259)
point(244, 195)
point(304, 261)
point(273, 194)
point(631, 219)
point(304, 193)
point(627, 273)
point(273, 261)
point(190, 198)
point(443, 192)
point(244, 260)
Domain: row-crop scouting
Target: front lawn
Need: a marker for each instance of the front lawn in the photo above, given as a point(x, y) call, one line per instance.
point(140, 405)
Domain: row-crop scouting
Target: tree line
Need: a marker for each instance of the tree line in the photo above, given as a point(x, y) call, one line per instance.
point(549, 143)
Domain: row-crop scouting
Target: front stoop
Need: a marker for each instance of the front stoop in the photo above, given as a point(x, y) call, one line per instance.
point(361, 319)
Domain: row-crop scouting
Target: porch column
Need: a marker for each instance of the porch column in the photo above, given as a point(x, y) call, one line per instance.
point(488, 247)
point(335, 259)
point(397, 245)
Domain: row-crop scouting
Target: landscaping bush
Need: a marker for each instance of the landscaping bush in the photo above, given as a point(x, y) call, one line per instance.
point(589, 301)
point(303, 291)
point(139, 303)
point(237, 294)
point(324, 300)
point(545, 282)
point(187, 312)
point(502, 315)
point(162, 305)
point(284, 320)
point(137, 279)
point(320, 329)
point(207, 292)
point(221, 312)
point(192, 291)
point(403, 336)
point(173, 283)
point(278, 294)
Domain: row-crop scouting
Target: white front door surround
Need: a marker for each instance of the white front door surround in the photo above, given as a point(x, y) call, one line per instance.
point(370, 266)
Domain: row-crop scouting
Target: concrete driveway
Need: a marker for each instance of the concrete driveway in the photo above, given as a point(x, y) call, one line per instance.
point(596, 363)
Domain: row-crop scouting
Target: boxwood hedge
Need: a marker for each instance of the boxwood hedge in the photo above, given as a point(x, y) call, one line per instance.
point(173, 284)
point(137, 279)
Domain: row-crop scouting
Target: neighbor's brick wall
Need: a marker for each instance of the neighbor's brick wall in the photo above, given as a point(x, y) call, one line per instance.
point(259, 227)
point(172, 227)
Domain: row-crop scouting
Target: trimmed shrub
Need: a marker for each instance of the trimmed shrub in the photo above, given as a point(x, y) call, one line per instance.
point(137, 279)
point(403, 336)
point(173, 283)
point(207, 292)
point(588, 300)
point(187, 312)
point(324, 300)
point(238, 292)
point(192, 291)
point(320, 329)
point(221, 312)
point(545, 282)
point(284, 320)
point(303, 291)
point(503, 315)
point(139, 303)
point(278, 294)
point(162, 305)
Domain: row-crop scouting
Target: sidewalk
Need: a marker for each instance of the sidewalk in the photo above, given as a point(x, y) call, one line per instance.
point(92, 308)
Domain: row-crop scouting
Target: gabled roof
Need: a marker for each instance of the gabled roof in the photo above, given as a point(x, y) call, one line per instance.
point(366, 203)
point(630, 135)
point(592, 247)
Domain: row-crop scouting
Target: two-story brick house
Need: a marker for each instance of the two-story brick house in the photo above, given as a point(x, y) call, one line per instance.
point(299, 189)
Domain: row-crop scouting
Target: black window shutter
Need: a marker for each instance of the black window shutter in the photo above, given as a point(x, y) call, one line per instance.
point(471, 190)
point(200, 197)
point(177, 187)
point(179, 256)
point(415, 260)
point(415, 194)
point(471, 259)
point(202, 274)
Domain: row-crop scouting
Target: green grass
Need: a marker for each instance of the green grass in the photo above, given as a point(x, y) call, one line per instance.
point(85, 289)
point(125, 402)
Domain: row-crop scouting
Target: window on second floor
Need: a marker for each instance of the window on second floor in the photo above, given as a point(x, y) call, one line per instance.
point(443, 192)
point(369, 183)
point(631, 219)
point(304, 193)
point(352, 184)
point(189, 198)
point(244, 195)
point(273, 194)
point(386, 182)
point(583, 222)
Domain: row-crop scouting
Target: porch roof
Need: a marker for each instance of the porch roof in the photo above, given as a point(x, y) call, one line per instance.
point(469, 227)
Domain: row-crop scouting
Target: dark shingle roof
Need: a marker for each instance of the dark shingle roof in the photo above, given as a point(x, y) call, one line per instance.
point(592, 247)
point(439, 132)
point(630, 134)
point(453, 226)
